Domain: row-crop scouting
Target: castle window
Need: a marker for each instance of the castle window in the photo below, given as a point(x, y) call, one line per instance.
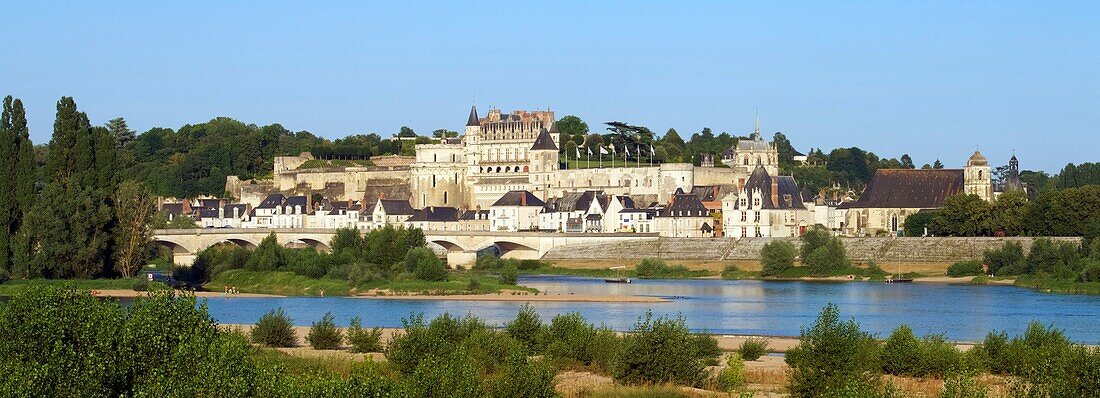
point(757, 216)
point(433, 181)
point(524, 169)
point(744, 216)
point(444, 197)
point(979, 174)
point(435, 158)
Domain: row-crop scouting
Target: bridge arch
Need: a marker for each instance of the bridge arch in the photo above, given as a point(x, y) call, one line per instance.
point(243, 243)
point(175, 247)
point(448, 244)
point(316, 244)
point(505, 246)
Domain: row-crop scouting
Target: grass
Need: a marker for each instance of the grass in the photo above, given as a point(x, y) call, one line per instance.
point(15, 286)
point(1047, 283)
point(320, 163)
point(327, 365)
point(805, 272)
point(617, 391)
point(286, 283)
point(582, 164)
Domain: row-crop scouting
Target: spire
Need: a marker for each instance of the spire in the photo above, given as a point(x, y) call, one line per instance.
point(756, 130)
point(474, 120)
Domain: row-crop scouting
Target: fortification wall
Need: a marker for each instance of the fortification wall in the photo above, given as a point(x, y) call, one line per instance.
point(886, 250)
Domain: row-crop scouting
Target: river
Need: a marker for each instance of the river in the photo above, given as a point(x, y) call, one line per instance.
point(961, 312)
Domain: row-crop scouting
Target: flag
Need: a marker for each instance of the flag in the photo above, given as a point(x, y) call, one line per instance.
point(603, 151)
point(578, 152)
point(589, 150)
point(651, 153)
point(612, 149)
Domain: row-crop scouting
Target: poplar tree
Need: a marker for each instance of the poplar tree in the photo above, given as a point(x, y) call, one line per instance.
point(16, 178)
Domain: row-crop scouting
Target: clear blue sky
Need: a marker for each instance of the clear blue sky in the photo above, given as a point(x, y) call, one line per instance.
point(933, 79)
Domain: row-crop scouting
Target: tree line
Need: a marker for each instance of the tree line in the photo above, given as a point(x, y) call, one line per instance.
point(1053, 212)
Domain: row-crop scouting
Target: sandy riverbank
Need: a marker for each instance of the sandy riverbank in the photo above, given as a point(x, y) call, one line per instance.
point(575, 298)
point(126, 293)
point(962, 280)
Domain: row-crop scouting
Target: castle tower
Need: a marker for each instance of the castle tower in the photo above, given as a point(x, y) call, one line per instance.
point(976, 178)
point(543, 162)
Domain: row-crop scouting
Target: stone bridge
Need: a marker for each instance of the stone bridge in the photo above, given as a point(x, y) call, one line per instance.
point(461, 247)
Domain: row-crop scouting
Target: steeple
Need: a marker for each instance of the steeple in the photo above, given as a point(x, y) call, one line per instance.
point(474, 120)
point(756, 130)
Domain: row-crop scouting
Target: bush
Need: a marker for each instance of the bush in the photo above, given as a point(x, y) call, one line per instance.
point(650, 267)
point(324, 335)
point(732, 377)
point(275, 329)
point(428, 267)
point(569, 338)
point(1091, 273)
point(1008, 260)
point(522, 377)
point(509, 275)
point(904, 355)
point(659, 351)
point(822, 252)
point(527, 328)
point(63, 342)
point(777, 257)
point(965, 268)
point(832, 355)
point(363, 340)
point(474, 284)
point(753, 348)
point(959, 386)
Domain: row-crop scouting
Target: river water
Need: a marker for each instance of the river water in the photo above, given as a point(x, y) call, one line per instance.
point(961, 312)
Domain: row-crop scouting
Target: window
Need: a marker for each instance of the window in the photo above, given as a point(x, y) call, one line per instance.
point(744, 232)
point(743, 202)
point(757, 216)
point(744, 216)
point(435, 158)
point(444, 197)
point(433, 181)
point(756, 202)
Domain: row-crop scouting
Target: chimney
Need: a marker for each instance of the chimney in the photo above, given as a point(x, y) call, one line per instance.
point(381, 195)
point(221, 212)
point(236, 212)
point(309, 200)
point(523, 199)
point(775, 191)
point(185, 207)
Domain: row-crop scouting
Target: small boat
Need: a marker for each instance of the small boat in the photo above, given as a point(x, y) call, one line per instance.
point(899, 280)
point(618, 276)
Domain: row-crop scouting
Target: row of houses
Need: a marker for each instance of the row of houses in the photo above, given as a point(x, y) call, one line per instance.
point(762, 205)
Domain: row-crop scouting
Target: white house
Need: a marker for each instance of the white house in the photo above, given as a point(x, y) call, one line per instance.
point(515, 211)
point(765, 206)
point(390, 212)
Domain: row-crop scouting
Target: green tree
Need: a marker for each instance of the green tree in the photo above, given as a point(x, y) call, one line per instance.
point(1009, 213)
point(962, 215)
point(907, 162)
point(916, 224)
point(134, 208)
point(777, 256)
point(571, 126)
point(832, 355)
point(406, 132)
point(937, 164)
point(17, 172)
point(120, 131)
point(822, 252)
point(268, 256)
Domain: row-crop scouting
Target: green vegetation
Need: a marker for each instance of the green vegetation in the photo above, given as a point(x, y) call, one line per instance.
point(655, 268)
point(833, 355)
point(275, 329)
point(905, 355)
point(753, 348)
point(965, 268)
point(777, 257)
point(285, 283)
point(1073, 210)
point(732, 377)
point(1063, 267)
point(335, 163)
point(661, 350)
point(821, 252)
point(363, 340)
point(12, 287)
point(324, 335)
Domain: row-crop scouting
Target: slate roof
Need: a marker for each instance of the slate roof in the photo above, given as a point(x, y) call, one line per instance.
point(473, 120)
point(685, 205)
point(172, 208)
point(297, 201)
point(440, 214)
point(475, 215)
point(396, 207)
point(271, 201)
point(544, 142)
point(519, 198)
point(909, 189)
point(789, 195)
point(754, 143)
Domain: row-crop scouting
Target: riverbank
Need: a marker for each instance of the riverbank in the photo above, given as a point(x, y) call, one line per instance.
point(124, 293)
point(290, 284)
point(524, 297)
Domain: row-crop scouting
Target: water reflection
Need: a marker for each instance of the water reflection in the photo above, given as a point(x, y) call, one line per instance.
point(962, 312)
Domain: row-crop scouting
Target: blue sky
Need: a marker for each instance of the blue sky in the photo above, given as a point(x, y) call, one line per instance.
point(932, 79)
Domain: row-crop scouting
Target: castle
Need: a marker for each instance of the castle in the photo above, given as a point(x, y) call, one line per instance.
point(497, 154)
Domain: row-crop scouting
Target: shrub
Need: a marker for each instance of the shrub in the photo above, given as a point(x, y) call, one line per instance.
point(732, 272)
point(832, 355)
point(363, 340)
point(959, 386)
point(965, 268)
point(324, 335)
point(732, 377)
point(474, 285)
point(1091, 273)
point(527, 328)
point(569, 338)
point(650, 267)
point(1008, 260)
point(777, 257)
point(509, 275)
point(903, 354)
point(429, 268)
point(706, 347)
point(522, 377)
point(658, 351)
point(753, 348)
point(275, 329)
point(822, 252)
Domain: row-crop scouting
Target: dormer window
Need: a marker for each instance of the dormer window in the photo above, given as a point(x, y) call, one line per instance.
point(756, 202)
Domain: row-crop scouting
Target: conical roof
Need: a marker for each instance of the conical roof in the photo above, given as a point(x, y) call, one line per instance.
point(977, 160)
point(554, 128)
point(544, 142)
point(474, 120)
